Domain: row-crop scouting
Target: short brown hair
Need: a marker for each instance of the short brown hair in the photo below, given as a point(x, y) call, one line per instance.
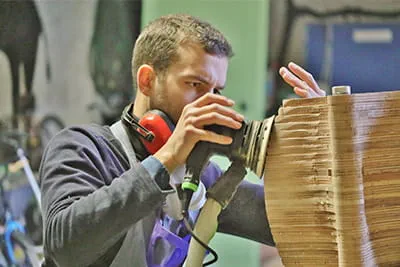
point(158, 43)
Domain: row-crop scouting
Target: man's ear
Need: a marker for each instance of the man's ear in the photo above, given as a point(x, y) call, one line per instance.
point(145, 79)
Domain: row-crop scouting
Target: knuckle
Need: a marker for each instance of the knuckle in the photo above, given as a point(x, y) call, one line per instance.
point(208, 95)
point(214, 116)
point(215, 106)
point(196, 120)
point(186, 109)
point(190, 129)
point(190, 121)
point(189, 112)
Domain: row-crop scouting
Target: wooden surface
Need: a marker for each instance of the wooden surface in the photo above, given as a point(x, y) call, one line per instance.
point(332, 181)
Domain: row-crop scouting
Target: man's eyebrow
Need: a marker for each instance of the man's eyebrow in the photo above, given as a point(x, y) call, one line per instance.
point(203, 80)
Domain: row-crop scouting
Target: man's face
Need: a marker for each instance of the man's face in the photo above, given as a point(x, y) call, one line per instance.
point(193, 75)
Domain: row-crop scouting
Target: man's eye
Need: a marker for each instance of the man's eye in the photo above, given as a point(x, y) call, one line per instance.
point(194, 84)
point(217, 92)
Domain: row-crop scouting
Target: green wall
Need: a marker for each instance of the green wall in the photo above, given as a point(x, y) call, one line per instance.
point(244, 23)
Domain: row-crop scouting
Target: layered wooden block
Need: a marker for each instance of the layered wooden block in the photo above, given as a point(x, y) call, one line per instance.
point(332, 181)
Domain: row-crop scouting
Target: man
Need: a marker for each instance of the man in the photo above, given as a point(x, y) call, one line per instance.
point(100, 208)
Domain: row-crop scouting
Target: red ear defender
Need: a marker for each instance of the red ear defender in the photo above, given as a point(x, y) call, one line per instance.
point(160, 125)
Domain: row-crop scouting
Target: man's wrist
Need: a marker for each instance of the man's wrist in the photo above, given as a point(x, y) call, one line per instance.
point(167, 159)
point(158, 172)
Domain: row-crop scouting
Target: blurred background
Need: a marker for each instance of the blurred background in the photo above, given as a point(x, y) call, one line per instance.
point(68, 62)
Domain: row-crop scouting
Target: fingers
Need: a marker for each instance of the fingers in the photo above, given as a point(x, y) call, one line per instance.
point(306, 93)
point(303, 82)
point(212, 98)
point(306, 77)
point(216, 118)
point(211, 109)
point(287, 76)
point(292, 79)
point(210, 136)
point(207, 110)
point(215, 109)
point(301, 92)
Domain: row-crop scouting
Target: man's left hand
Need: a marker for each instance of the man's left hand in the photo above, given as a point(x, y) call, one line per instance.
point(303, 83)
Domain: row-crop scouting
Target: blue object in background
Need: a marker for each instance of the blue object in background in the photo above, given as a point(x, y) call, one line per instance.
point(315, 49)
point(364, 56)
point(18, 200)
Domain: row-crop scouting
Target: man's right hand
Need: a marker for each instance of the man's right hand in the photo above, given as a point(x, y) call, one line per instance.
point(303, 83)
point(206, 110)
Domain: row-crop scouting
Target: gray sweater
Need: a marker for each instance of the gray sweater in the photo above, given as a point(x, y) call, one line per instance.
point(100, 211)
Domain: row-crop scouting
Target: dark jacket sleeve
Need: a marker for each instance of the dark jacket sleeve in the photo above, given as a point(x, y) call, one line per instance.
point(84, 215)
point(245, 216)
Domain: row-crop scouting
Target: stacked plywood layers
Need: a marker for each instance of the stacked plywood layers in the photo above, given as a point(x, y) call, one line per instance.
point(332, 181)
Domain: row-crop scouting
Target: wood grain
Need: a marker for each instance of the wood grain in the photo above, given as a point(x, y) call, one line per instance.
point(332, 181)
